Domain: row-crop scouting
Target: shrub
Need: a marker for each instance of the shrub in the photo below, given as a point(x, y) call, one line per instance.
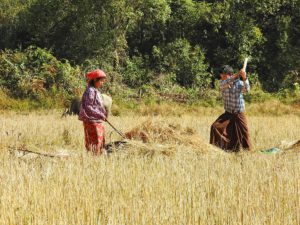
point(257, 95)
point(187, 62)
point(291, 79)
point(35, 73)
point(135, 73)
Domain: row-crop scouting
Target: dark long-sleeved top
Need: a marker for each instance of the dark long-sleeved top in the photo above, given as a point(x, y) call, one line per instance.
point(92, 106)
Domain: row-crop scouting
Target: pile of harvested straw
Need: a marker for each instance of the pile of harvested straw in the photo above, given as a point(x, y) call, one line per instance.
point(159, 136)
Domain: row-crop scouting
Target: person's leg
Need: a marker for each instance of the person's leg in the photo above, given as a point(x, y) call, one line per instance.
point(218, 134)
point(243, 135)
point(94, 138)
point(100, 133)
point(86, 137)
point(233, 144)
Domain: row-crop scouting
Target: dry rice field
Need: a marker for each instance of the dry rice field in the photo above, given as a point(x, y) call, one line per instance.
point(166, 181)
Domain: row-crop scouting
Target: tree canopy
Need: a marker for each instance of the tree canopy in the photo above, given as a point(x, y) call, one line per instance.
point(142, 39)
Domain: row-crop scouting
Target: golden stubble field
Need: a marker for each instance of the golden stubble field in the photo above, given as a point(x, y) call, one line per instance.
point(141, 185)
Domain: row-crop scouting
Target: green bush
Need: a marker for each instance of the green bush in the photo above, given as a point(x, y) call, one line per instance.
point(36, 74)
point(291, 79)
point(135, 73)
point(187, 62)
point(257, 95)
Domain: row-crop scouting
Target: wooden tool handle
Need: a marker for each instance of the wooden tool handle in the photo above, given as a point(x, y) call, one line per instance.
point(245, 64)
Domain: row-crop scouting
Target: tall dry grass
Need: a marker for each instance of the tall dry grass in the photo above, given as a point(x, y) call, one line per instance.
point(132, 187)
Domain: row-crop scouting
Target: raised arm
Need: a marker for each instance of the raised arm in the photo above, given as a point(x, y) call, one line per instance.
point(224, 84)
point(245, 85)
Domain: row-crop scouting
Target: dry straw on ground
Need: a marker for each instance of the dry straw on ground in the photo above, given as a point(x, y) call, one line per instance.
point(166, 180)
point(162, 137)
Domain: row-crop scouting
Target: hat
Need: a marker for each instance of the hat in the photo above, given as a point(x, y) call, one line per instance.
point(226, 69)
point(95, 74)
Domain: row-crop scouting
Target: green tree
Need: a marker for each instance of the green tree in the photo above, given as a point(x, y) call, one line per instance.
point(187, 62)
point(150, 26)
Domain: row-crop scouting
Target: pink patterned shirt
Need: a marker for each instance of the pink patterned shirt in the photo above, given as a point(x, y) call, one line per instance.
point(92, 107)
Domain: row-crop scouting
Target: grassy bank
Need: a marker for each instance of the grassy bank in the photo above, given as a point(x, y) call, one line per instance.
point(155, 106)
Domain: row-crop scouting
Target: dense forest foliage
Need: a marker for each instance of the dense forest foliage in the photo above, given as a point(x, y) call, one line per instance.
point(149, 42)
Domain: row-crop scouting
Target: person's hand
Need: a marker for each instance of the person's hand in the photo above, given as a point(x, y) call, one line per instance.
point(243, 74)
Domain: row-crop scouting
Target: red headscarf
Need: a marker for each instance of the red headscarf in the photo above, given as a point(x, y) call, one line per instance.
point(95, 74)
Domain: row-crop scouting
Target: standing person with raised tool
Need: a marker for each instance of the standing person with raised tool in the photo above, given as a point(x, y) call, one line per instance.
point(230, 131)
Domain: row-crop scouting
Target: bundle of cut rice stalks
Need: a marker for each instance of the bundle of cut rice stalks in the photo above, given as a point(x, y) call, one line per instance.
point(157, 136)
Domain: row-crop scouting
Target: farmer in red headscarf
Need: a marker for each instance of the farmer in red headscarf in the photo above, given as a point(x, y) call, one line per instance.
point(93, 113)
